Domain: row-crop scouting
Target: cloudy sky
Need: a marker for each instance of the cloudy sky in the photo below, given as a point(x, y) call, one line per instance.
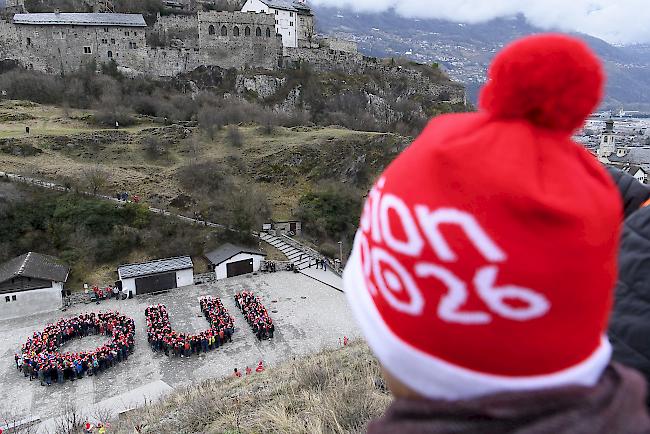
point(616, 21)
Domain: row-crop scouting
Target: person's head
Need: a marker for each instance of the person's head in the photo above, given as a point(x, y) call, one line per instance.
point(486, 253)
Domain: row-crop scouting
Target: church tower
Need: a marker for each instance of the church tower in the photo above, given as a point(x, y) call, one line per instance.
point(607, 142)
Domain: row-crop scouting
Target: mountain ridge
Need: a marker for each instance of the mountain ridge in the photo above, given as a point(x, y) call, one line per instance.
point(465, 50)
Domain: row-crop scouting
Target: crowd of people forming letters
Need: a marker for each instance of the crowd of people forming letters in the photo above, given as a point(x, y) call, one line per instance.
point(256, 314)
point(39, 358)
point(163, 338)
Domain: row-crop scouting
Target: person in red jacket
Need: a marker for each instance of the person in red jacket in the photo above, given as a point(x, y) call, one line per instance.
point(249, 371)
point(237, 373)
point(486, 298)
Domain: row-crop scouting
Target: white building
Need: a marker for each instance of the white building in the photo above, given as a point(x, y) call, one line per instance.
point(31, 284)
point(293, 19)
point(638, 172)
point(230, 260)
point(155, 276)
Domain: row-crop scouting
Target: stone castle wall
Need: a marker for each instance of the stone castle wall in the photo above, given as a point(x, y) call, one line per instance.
point(57, 49)
point(224, 39)
point(239, 39)
point(168, 62)
point(176, 22)
point(8, 41)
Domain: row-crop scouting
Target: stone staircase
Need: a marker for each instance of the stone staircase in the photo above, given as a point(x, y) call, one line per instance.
point(302, 256)
point(297, 254)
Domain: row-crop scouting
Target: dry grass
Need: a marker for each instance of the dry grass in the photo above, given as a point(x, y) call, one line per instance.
point(335, 391)
point(283, 165)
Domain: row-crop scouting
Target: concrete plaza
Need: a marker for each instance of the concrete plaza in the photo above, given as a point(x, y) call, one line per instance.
point(309, 316)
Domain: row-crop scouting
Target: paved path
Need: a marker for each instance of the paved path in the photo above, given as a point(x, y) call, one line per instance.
point(309, 316)
point(327, 277)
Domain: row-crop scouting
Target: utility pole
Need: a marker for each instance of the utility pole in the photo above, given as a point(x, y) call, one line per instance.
point(341, 252)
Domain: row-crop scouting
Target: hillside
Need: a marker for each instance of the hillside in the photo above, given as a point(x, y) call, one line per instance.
point(239, 176)
point(335, 391)
point(283, 163)
point(465, 50)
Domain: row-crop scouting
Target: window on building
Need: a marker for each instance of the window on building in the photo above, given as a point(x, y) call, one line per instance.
point(13, 298)
point(104, 41)
point(112, 41)
point(291, 14)
point(7, 299)
point(291, 23)
point(277, 22)
point(258, 32)
point(87, 50)
point(106, 29)
point(29, 41)
point(268, 32)
point(277, 12)
point(247, 31)
point(110, 54)
point(224, 31)
point(235, 31)
point(211, 30)
point(135, 33)
point(126, 33)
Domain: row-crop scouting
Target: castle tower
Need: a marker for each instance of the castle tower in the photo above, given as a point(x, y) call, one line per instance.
point(607, 142)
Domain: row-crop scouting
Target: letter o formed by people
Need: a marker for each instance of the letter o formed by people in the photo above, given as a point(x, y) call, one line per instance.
point(41, 358)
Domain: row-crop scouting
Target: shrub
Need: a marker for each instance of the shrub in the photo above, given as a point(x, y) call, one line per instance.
point(234, 136)
point(32, 86)
point(331, 213)
point(156, 147)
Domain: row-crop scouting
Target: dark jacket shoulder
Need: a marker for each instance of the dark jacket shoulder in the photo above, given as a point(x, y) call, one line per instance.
point(629, 329)
point(633, 193)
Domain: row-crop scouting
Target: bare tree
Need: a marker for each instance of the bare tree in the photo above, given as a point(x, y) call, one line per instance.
point(71, 420)
point(234, 136)
point(95, 178)
point(310, 31)
point(155, 146)
point(210, 120)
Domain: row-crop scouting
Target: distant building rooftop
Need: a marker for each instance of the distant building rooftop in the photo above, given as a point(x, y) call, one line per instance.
point(227, 251)
point(155, 267)
point(72, 19)
point(35, 266)
point(287, 5)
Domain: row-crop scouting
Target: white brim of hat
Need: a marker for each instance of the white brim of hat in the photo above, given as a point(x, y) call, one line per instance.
point(434, 378)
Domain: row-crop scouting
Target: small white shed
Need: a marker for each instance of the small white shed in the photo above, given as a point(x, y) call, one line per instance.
point(158, 275)
point(230, 260)
point(31, 283)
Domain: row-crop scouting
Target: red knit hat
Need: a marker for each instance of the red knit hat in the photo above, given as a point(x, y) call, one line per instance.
point(486, 254)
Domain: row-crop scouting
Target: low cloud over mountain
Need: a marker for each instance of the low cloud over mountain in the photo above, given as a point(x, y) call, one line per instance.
point(616, 21)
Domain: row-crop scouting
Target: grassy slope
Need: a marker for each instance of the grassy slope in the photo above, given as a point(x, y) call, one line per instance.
point(335, 391)
point(283, 165)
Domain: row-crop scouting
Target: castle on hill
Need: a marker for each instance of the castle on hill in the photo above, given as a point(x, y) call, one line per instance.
point(266, 34)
